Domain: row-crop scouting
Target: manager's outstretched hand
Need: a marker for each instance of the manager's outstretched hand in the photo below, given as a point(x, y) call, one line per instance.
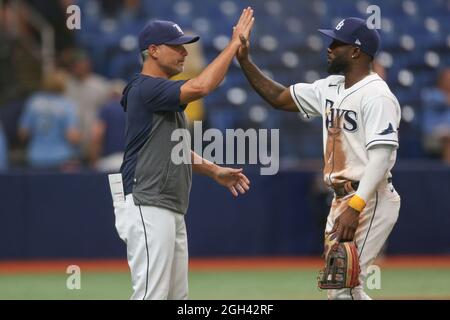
point(244, 38)
point(233, 179)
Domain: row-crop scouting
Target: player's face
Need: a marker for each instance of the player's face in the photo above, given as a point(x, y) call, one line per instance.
point(338, 54)
point(171, 59)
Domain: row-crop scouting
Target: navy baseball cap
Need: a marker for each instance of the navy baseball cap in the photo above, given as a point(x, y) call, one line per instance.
point(163, 32)
point(354, 31)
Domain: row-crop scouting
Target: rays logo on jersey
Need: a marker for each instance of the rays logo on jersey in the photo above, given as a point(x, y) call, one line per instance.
point(340, 118)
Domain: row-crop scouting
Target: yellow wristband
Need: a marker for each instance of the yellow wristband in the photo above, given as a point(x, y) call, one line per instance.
point(357, 203)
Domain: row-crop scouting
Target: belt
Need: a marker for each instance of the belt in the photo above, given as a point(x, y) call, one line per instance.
point(348, 187)
point(345, 188)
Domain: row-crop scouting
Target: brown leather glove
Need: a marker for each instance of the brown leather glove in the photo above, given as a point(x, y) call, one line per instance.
point(342, 265)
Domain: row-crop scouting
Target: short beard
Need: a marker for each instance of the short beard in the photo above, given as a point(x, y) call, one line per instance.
point(338, 65)
point(172, 71)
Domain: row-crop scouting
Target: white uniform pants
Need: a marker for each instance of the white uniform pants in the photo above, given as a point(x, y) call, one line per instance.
point(375, 224)
point(157, 250)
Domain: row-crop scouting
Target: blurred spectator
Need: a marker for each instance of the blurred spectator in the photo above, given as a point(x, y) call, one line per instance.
point(55, 14)
point(436, 117)
point(3, 151)
point(50, 123)
point(108, 133)
point(132, 10)
point(111, 8)
point(123, 10)
point(88, 90)
point(13, 28)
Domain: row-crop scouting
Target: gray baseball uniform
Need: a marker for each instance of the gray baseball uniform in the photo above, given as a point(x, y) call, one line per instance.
point(150, 213)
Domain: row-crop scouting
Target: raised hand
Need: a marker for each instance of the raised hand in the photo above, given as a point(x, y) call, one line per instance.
point(243, 26)
point(244, 49)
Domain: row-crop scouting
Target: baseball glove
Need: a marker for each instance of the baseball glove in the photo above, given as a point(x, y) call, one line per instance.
point(342, 265)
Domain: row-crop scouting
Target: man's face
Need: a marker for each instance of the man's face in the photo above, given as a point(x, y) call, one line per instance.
point(339, 55)
point(171, 58)
point(81, 69)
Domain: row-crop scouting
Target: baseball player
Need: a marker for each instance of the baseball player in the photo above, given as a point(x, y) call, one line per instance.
point(151, 193)
point(360, 136)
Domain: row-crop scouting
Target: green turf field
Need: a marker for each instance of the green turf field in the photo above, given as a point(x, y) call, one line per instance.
point(281, 284)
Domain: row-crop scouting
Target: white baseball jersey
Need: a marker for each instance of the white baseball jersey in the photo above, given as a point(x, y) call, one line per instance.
point(354, 120)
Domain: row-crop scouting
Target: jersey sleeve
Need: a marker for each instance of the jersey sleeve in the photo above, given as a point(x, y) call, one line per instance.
point(307, 97)
point(381, 117)
point(161, 94)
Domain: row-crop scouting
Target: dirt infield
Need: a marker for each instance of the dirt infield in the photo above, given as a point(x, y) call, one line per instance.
point(224, 264)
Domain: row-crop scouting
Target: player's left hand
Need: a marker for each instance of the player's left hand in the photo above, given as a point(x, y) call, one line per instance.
point(233, 179)
point(345, 225)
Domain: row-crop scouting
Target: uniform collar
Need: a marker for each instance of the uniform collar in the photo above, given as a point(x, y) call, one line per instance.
point(369, 78)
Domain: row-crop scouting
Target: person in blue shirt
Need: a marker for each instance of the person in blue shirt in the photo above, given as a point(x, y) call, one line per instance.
point(3, 150)
point(150, 210)
point(436, 116)
point(50, 124)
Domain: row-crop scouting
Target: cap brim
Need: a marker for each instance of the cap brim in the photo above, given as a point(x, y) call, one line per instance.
point(331, 34)
point(185, 39)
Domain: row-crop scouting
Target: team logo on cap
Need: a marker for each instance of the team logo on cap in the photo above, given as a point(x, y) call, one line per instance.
point(358, 42)
point(178, 28)
point(340, 24)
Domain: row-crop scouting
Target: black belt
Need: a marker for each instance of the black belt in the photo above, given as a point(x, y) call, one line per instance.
point(348, 187)
point(345, 188)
